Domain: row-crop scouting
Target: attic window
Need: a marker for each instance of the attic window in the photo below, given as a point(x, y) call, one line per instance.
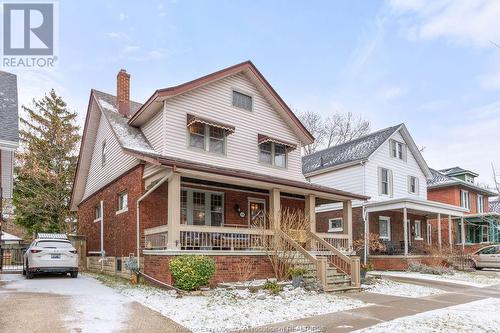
point(242, 101)
point(398, 150)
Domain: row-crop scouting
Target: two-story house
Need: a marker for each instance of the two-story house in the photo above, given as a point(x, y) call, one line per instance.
point(204, 167)
point(9, 133)
point(388, 167)
point(457, 186)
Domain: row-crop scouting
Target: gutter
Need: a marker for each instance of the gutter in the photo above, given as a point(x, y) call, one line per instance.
point(138, 212)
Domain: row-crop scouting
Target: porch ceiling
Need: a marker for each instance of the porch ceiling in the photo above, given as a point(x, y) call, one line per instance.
point(431, 209)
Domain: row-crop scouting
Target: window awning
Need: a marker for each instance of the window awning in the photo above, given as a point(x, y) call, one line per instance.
point(191, 119)
point(264, 139)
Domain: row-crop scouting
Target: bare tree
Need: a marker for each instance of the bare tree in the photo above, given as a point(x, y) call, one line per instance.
point(314, 124)
point(344, 127)
point(496, 180)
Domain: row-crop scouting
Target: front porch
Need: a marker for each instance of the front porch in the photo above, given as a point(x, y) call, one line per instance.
point(228, 216)
point(405, 227)
point(477, 230)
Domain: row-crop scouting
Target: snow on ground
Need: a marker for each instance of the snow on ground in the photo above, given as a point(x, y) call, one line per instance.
point(95, 307)
point(227, 310)
point(464, 278)
point(478, 316)
point(388, 287)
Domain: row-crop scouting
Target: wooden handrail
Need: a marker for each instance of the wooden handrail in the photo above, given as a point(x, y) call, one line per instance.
point(334, 236)
point(296, 246)
point(330, 248)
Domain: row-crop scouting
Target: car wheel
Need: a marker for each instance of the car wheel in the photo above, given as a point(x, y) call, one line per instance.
point(29, 275)
point(74, 275)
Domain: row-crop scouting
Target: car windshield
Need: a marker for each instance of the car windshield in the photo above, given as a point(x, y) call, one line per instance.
point(53, 244)
point(488, 250)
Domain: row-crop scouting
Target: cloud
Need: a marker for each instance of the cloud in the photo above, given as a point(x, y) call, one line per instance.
point(161, 10)
point(117, 35)
point(391, 93)
point(491, 79)
point(467, 23)
point(149, 55)
point(122, 16)
point(131, 48)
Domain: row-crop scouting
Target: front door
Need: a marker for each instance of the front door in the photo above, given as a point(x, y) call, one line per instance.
point(256, 212)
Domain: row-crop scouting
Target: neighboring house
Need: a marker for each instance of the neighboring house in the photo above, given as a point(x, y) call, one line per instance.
point(388, 167)
point(202, 167)
point(9, 133)
point(456, 186)
point(495, 206)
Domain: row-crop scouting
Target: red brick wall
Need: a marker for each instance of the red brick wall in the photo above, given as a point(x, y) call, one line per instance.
point(119, 230)
point(228, 268)
point(451, 195)
point(357, 222)
point(399, 263)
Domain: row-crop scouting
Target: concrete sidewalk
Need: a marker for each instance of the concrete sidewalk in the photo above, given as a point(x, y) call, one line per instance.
point(386, 308)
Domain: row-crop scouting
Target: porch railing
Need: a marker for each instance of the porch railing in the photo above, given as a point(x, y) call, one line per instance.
point(155, 238)
point(195, 237)
point(340, 241)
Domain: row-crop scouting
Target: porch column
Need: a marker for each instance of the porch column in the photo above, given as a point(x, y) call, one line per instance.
point(275, 208)
point(405, 229)
point(439, 231)
point(462, 231)
point(310, 211)
point(347, 219)
point(367, 237)
point(174, 211)
point(450, 233)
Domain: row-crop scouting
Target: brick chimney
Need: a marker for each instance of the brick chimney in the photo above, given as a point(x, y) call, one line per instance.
point(123, 92)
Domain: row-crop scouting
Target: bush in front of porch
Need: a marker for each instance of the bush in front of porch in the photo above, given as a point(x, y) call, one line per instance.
point(192, 272)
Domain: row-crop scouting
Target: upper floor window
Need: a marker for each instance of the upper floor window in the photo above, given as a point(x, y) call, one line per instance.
point(122, 202)
point(242, 101)
point(207, 135)
point(335, 225)
point(398, 150)
point(469, 179)
point(97, 212)
point(385, 181)
point(412, 185)
point(480, 203)
point(103, 153)
point(273, 151)
point(464, 199)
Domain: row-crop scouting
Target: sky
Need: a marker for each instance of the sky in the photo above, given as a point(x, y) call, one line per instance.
point(434, 65)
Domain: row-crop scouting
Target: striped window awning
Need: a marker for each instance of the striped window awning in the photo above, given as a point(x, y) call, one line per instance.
point(264, 139)
point(191, 120)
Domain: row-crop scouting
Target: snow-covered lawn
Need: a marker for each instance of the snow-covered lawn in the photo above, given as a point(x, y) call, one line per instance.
point(388, 287)
point(464, 278)
point(231, 309)
point(478, 316)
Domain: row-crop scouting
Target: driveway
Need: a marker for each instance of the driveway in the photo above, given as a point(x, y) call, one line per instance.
point(63, 304)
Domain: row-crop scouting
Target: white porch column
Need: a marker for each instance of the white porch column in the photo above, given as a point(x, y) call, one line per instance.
point(367, 237)
point(275, 208)
point(405, 229)
point(450, 233)
point(439, 231)
point(462, 231)
point(310, 211)
point(174, 211)
point(347, 219)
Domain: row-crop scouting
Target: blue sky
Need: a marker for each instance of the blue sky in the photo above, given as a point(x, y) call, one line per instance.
point(432, 65)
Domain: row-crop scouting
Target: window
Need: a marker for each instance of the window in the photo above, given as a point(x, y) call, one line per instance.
point(257, 212)
point(413, 185)
point(418, 230)
point(272, 153)
point(202, 207)
point(335, 225)
point(398, 150)
point(464, 199)
point(469, 179)
point(98, 212)
point(103, 154)
point(208, 138)
point(480, 203)
point(488, 250)
point(122, 202)
point(242, 101)
point(384, 228)
point(385, 181)
point(118, 264)
point(485, 237)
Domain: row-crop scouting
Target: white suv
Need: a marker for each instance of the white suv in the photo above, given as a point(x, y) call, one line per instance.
point(50, 255)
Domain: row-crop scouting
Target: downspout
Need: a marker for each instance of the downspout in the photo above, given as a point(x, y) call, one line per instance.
point(102, 236)
point(148, 192)
point(363, 212)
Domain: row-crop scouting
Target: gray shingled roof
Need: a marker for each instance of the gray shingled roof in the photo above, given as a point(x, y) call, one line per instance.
point(355, 150)
point(9, 123)
point(455, 171)
point(129, 137)
point(439, 179)
point(495, 206)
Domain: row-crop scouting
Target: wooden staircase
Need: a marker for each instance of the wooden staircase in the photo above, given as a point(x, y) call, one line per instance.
point(324, 263)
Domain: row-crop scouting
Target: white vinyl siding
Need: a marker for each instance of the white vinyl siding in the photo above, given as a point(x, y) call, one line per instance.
point(7, 167)
point(117, 162)
point(400, 172)
point(214, 101)
point(153, 130)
